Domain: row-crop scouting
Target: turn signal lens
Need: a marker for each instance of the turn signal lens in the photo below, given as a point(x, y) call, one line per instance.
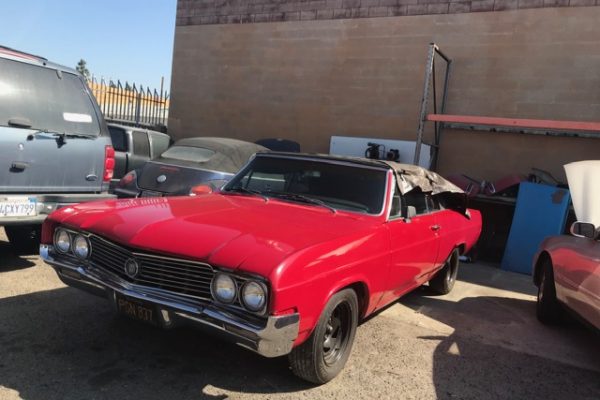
point(127, 179)
point(200, 190)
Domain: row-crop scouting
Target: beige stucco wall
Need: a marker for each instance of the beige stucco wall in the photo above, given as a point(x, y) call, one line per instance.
point(309, 80)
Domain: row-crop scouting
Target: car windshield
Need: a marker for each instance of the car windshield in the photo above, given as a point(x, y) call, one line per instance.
point(46, 99)
point(337, 185)
point(187, 153)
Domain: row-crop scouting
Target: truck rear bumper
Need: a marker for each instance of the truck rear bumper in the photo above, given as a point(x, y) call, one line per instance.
point(47, 203)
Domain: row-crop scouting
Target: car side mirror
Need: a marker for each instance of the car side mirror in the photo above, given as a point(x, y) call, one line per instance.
point(411, 212)
point(200, 190)
point(584, 229)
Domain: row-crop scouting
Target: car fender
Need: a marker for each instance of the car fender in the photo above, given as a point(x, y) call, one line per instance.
point(308, 279)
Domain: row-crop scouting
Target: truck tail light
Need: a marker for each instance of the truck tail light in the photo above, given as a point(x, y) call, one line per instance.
point(109, 163)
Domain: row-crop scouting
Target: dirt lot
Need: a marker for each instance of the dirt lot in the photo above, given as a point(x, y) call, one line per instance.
point(482, 341)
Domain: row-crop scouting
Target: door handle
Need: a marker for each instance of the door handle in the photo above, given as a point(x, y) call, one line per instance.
point(435, 228)
point(18, 166)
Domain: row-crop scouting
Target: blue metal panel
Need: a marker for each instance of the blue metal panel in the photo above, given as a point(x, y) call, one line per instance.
point(541, 211)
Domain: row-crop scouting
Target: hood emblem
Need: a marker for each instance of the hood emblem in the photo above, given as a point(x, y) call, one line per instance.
point(132, 269)
point(21, 146)
point(161, 178)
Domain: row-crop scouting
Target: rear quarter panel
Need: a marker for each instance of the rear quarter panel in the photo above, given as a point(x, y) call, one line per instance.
point(456, 230)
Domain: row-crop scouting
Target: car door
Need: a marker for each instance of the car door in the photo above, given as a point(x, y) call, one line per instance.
point(414, 242)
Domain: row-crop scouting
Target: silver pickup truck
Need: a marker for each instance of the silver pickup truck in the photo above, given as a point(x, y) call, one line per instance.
point(134, 146)
point(55, 148)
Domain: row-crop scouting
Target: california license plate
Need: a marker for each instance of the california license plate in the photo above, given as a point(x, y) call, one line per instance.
point(18, 206)
point(136, 309)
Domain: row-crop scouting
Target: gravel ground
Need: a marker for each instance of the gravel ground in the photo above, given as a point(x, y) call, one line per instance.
point(480, 342)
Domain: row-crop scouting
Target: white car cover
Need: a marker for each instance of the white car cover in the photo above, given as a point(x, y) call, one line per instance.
point(584, 184)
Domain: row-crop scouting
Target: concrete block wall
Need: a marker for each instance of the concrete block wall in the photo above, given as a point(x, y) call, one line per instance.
point(203, 12)
point(308, 80)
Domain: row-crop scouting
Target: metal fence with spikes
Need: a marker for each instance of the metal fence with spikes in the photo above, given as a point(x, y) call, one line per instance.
point(130, 104)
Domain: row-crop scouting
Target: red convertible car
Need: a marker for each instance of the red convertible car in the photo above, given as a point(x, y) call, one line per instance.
point(285, 259)
point(567, 267)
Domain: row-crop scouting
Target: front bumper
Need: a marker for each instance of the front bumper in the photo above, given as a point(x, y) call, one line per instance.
point(272, 337)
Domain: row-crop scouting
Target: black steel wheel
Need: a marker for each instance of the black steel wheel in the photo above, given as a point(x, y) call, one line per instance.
point(323, 355)
point(443, 281)
point(548, 309)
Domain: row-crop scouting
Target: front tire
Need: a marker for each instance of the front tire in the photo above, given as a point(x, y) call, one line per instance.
point(548, 309)
point(443, 281)
point(323, 355)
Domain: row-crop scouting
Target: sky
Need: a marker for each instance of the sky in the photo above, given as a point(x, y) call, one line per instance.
point(130, 40)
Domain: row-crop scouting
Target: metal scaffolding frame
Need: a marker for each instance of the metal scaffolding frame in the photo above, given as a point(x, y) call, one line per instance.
point(428, 86)
point(574, 129)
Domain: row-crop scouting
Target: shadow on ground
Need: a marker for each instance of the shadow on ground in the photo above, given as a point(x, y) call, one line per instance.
point(485, 357)
point(10, 260)
point(64, 344)
point(490, 275)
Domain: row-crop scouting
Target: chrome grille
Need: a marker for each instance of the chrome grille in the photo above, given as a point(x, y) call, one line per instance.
point(184, 277)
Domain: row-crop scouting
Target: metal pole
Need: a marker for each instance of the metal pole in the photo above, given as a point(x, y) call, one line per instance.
point(424, 100)
point(120, 98)
point(439, 126)
point(160, 103)
point(137, 106)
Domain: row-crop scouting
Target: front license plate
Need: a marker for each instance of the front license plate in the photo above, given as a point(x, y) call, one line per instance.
point(136, 309)
point(18, 206)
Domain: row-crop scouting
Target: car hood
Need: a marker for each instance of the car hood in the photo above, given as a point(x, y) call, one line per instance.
point(584, 186)
point(230, 231)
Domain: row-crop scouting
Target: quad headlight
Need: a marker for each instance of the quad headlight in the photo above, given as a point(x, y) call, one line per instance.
point(72, 242)
point(254, 296)
point(249, 294)
point(62, 240)
point(81, 246)
point(224, 288)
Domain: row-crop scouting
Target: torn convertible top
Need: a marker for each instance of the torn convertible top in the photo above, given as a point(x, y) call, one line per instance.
point(408, 176)
point(411, 176)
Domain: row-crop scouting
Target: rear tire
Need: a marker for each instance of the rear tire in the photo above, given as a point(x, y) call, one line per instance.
point(323, 355)
point(25, 239)
point(548, 309)
point(443, 281)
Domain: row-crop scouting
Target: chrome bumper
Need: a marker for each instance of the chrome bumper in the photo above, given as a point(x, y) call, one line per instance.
point(272, 337)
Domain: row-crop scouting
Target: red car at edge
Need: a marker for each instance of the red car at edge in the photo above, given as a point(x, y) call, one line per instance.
point(285, 259)
point(566, 269)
